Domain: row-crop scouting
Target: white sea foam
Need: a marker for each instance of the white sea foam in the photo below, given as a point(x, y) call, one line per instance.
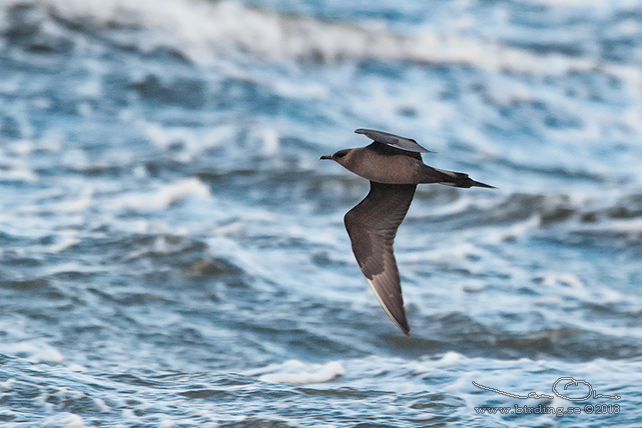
point(128, 414)
point(300, 373)
point(192, 140)
point(271, 142)
point(65, 239)
point(69, 420)
point(203, 29)
point(34, 351)
point(167, 195)
point(598, 5)
point(631, 226)
point(453, 254)
point(450, 359)
point(7, 385)
point(566, 278)
point(18, 171)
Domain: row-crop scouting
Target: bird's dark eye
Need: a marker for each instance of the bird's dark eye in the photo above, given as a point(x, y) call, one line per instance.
point(340, 154)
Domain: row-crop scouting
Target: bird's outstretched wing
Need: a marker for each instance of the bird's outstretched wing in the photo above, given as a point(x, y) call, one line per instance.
point(393, 140)
point(372, 226)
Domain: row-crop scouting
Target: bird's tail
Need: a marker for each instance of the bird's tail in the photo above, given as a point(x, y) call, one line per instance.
point(456, 179)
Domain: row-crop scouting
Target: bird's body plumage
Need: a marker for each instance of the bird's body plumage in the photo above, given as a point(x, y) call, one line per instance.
point(386, 164)
point(394, 167)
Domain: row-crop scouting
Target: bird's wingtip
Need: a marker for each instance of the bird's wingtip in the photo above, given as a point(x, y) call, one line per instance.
point(402, 323)
point(399, 318)
point(487, 186)
point(406, 330)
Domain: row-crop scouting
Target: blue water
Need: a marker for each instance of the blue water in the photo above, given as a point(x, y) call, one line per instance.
point(172, 251)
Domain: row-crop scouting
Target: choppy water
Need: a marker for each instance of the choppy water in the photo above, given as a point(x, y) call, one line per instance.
point(172, 251)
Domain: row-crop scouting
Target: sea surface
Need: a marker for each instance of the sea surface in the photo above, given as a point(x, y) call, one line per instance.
point(172, 250)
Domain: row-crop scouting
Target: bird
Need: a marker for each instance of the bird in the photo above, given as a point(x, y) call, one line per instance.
point(394, 167)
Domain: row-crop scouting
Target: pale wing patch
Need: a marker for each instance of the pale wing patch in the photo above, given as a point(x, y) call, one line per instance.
point(383, 305)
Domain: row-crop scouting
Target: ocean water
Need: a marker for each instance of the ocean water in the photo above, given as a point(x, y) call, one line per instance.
point(172, 251)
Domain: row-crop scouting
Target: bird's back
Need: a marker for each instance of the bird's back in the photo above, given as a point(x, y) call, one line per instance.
point(384, 164)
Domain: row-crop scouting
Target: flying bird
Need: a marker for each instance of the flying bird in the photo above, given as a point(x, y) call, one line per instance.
point(394, 167)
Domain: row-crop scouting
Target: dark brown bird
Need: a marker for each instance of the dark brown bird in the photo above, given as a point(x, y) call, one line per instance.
point(394, 167)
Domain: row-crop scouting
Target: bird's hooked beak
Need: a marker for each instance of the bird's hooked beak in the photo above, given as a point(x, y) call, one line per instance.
point(326, 157)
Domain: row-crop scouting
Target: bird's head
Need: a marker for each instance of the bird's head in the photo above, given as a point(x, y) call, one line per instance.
point(341, 157)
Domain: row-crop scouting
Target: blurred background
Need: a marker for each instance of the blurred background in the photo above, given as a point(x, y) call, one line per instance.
point(172, 251)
